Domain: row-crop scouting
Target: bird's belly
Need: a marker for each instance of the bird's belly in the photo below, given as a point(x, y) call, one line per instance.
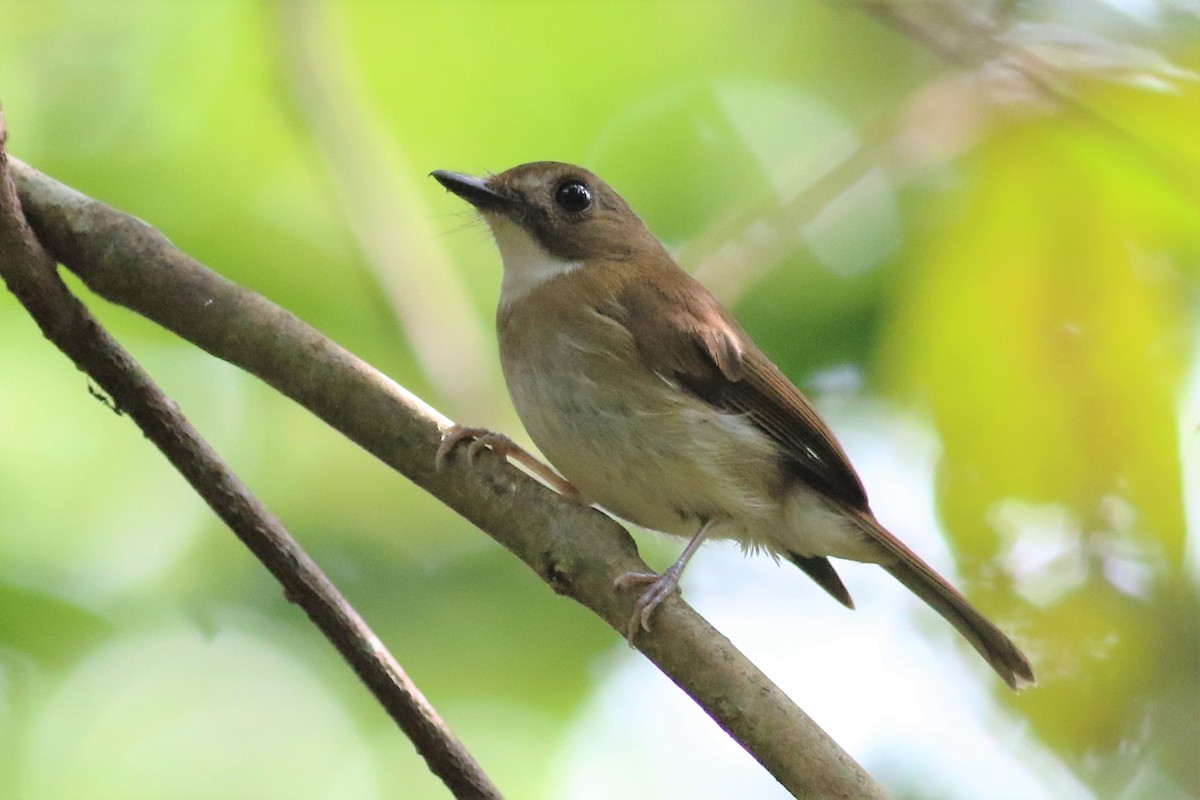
point(654, 456)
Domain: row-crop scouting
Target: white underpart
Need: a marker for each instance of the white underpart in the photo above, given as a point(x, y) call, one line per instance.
point(526, 265)
point(814, 528)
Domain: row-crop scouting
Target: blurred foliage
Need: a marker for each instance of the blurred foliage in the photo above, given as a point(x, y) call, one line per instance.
point(1000, 232)
point(1048, 328)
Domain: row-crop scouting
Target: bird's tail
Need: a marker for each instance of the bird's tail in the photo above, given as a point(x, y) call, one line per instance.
point(920, 578)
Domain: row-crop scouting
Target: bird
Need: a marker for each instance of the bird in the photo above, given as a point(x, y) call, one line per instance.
point(651, 402)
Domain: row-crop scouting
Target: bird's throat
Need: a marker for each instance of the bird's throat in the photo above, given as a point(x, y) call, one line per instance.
point(526, 264)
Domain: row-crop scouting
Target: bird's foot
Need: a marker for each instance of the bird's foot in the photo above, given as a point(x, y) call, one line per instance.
point(482, 438)
point(658, 589)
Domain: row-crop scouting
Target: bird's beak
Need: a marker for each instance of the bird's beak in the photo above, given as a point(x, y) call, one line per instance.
point(474, 190)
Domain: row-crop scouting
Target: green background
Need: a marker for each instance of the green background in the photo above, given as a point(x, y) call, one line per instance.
point(991, 292)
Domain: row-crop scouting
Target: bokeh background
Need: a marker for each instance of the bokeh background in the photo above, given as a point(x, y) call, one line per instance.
point(971, 231)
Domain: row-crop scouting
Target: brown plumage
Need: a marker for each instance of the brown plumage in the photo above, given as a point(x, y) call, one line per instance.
point(649, 398)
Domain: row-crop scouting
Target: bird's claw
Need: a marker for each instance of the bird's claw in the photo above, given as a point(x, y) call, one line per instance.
point(504, 446)
point(497, 442)
point(481, 438)
point(659, 588)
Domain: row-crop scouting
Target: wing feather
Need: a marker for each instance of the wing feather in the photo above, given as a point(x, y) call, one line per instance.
point(682, 332)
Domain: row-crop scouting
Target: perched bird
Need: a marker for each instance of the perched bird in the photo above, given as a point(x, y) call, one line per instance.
point(654, 404)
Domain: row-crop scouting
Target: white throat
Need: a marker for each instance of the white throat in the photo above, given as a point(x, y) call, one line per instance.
point(526, 265)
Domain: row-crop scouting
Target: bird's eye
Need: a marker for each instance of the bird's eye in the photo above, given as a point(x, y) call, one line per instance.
point(573, 196)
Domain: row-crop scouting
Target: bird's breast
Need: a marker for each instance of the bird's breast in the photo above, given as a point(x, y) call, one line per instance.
point(630, 440)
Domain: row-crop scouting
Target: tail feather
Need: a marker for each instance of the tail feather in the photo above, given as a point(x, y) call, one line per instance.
point(996, 648)
point(921, 579)
point(820, 570)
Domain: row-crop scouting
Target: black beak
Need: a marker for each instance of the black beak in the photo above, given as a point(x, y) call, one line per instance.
point(474, 190)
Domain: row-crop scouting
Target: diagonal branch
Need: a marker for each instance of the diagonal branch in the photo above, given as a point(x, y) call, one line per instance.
point(577, 551)
point(31, 275)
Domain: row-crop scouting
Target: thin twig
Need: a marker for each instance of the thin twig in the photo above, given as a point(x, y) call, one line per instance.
point(978, 44)
point(758, 235)
point(578, 551)
point(31, 275)
point(758, 232)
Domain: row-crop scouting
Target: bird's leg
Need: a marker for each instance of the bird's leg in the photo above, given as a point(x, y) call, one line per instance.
point(658, 587)
point(506, 447)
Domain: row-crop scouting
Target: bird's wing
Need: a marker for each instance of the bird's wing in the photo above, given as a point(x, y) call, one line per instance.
point(682, 333)
point(694, 342)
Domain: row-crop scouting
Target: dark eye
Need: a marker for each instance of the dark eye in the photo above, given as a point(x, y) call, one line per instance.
point(573, 196)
